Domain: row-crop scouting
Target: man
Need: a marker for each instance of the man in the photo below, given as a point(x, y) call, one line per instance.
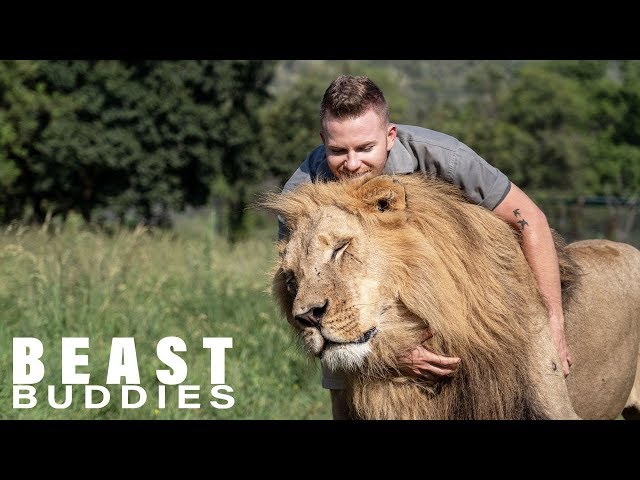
point(358, 139)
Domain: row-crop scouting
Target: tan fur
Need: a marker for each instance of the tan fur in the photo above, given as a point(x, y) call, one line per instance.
point(400, 254)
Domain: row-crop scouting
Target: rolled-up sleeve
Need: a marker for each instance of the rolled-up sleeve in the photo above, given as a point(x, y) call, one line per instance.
point(481, 182)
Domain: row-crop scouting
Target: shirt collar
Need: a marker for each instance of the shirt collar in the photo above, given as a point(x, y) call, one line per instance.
point(400, 160)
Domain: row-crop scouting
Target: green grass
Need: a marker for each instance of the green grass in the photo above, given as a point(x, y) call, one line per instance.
point(149, 284)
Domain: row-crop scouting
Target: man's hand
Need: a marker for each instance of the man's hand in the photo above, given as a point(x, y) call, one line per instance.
point(557, 333)
point(426, 365)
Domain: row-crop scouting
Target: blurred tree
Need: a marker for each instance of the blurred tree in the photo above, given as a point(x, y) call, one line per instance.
point(292, 125)
point(233, 93)
point(554, 106)
point(537, 124)
point(481, 121)
point(134, 140)
point(25, 110)
point(615, 169)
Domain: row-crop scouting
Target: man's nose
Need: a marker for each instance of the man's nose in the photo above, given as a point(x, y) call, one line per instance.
point(352, 163)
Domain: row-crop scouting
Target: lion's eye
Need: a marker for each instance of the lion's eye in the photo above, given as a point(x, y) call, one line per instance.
point(341, 247)
point(383, 205)
point(292, 284)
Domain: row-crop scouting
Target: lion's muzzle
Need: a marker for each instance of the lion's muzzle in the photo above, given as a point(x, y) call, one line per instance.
point(313, 316)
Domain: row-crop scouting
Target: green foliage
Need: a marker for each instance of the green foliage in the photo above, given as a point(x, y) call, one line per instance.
point(547, 115)
point(564, 127)
point(616, 170)
point(583, 71)
point(131, 140)
point(24, 110)
point(292, 126)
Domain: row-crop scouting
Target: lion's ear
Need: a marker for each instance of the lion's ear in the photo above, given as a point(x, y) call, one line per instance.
point(383, 194)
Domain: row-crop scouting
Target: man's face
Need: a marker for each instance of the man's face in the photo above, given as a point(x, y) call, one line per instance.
point(356, 146)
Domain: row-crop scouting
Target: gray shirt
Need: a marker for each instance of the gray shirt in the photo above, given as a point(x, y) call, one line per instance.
point(427, 151)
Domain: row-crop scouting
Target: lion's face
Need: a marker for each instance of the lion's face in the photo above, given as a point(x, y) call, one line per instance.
point(330, 269)
point(341, 269)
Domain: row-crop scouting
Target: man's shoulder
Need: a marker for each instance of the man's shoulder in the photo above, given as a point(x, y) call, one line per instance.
point(408, 134)
point(313, 167)
point(317, 156)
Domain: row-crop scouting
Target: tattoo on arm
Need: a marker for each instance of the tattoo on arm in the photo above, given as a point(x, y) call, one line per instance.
point(523, 223)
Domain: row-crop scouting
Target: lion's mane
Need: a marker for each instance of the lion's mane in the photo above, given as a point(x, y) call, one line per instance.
point(457, 268)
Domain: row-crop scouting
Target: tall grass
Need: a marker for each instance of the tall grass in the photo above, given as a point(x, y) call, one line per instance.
point(150, 284)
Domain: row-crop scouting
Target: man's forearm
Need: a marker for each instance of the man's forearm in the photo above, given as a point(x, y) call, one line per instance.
point(537, 244)
point(539, 248)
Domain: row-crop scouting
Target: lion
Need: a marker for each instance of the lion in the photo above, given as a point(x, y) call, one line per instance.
point(369, 264)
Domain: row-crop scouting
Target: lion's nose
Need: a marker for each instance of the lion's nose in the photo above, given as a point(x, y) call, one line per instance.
point(313, 316)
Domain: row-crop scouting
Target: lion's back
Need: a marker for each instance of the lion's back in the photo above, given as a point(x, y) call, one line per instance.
point(603, 324)
point(599, 250)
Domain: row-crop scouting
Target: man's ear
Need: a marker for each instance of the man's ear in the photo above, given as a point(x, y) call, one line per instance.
point(392, 132)
point(383, 194)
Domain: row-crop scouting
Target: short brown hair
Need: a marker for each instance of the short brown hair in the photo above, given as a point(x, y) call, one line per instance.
point(351, 96)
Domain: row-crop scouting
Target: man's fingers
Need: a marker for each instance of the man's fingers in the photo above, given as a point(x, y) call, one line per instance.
point(427, 365)
point(420, 357)
point(428, 372)
point(432, 369)
point(435, 359)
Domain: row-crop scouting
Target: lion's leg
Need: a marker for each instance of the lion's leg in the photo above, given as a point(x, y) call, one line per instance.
point(632, 408)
